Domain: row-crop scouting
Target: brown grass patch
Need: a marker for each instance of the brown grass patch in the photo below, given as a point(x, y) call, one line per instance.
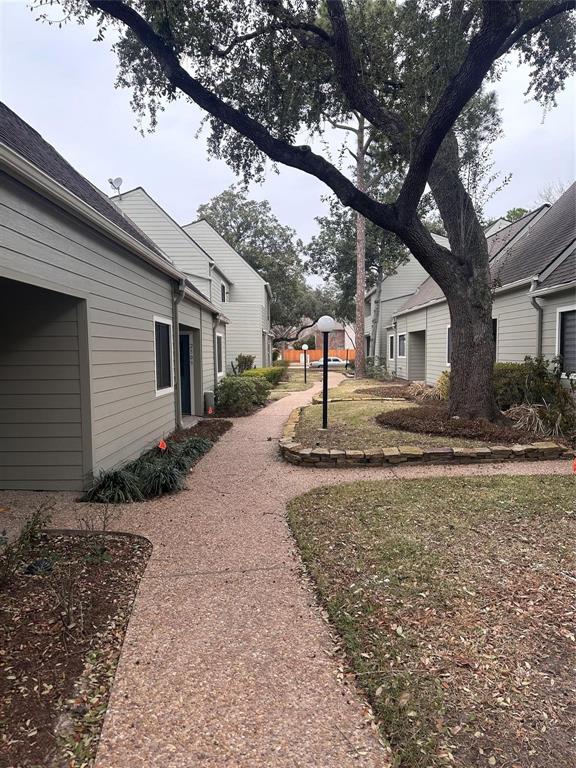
point(454, 602)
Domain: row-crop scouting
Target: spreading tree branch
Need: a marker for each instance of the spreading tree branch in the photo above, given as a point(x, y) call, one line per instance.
point(281, 151)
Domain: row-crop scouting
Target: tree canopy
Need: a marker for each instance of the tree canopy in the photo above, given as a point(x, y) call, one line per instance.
point(274, 251)
point(268, 72)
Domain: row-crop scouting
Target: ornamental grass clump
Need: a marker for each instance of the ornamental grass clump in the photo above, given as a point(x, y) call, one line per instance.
point(116, 486)
point(161, 476)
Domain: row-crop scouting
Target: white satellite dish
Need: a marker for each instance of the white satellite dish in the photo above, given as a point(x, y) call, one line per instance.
point(115, 183)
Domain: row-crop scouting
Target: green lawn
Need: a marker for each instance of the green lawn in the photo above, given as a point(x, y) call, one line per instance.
point(454, 600)
point(295, 383)
point(352, 425)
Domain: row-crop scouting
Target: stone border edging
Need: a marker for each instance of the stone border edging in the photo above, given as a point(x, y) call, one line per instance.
point(296, 453)
point(317, 399)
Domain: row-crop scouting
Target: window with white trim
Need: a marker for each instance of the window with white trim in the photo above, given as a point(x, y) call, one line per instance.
point(566, 339)
point(222, 292)
point(219, 354)
point(402, 345)
point(391, 346)
point(163, 355)
point(448, 344)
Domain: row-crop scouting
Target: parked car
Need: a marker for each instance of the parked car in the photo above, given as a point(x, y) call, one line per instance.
point(332, 361)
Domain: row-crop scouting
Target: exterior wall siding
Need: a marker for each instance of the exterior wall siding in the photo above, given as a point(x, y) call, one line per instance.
point(41, 426)
point(551, 303)
point(244, 334)
point(47, 246)
point(167, 234)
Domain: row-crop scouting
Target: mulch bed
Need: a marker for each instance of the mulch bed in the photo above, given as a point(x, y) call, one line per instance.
point(434, 420)
point(63, 616)
point(211, 429)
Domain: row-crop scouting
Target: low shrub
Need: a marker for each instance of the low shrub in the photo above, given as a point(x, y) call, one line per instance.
point(376, 368)
point(237, 395)
point(442, 386)
point(274, 373)
point(195, 447)
point(160, 476)
point(115, 486)
point(422, 392)
point(262, 389)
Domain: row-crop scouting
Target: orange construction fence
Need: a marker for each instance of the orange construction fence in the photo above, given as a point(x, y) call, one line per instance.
point(297, 356)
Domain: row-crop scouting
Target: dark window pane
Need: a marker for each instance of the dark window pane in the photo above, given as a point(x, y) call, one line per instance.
point(494, 329)
point(449, 345)
point(163, 353)
point(568, 340)
point(402, 345)
point(219, 361)
point(391, 348)
point(223, 291)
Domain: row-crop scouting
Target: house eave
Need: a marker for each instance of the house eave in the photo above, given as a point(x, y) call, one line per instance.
point(25, 171)
point(554, 288)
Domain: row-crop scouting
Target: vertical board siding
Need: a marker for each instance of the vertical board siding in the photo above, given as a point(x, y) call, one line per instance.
point(40, 413)
point(123, 294)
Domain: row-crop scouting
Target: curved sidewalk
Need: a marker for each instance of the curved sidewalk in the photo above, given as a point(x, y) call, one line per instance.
point(227, 660)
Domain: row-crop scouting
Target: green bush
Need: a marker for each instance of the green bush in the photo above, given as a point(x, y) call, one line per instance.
point(116, 486)
point(262, 389)
point(236, 395)
point(243, 363)
point(161, 476)
point(510, 384)
point(376, 368)
point(274, 373)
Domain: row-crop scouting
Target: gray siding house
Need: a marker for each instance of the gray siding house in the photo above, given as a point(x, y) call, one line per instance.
point(94, 323)
point(241, 293)
point(533, 266)
point(188, 257)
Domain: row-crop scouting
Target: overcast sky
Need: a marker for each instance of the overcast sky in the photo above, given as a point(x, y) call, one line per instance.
point(62, 83)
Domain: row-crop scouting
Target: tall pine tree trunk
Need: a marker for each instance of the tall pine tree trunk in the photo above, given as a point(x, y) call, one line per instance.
point(360, 363)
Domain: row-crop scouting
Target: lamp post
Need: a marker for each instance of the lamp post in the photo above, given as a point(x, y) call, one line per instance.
point(325, 324)
point(305, 349)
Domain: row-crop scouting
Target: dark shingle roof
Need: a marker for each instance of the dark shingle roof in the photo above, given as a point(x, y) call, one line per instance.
point(565, 272)
point(23, 139)
point(542, 242)
point(500, 239)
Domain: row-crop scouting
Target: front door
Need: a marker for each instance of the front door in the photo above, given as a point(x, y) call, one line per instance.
point(185, 375)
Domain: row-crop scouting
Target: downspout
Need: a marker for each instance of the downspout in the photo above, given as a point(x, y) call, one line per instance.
point(177, 296)
point(540, 311)
point(215, 350)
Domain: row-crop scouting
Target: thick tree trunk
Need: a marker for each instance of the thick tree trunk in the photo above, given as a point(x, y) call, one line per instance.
point(360, 362)
point(467, 284)
point(376, 313)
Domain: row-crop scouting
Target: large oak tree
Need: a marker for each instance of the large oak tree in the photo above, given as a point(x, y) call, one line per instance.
point(268, 72)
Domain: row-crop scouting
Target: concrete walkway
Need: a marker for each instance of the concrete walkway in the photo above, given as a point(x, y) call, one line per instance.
point(227, 660)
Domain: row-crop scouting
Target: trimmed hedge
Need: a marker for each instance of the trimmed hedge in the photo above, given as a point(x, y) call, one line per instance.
point(274, 373)
point(239, 395)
